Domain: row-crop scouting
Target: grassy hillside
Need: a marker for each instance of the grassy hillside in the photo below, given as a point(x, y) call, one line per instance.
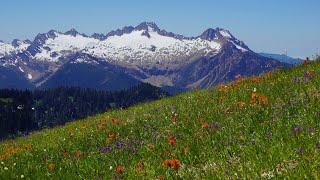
point(259, 127)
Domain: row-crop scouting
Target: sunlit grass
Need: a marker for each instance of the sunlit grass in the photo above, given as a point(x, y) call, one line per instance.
point(257, 127)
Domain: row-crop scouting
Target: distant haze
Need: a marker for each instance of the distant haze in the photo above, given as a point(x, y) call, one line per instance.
point(271, 26)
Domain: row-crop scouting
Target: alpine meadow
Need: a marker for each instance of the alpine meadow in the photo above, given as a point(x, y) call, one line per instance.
point(159, 90)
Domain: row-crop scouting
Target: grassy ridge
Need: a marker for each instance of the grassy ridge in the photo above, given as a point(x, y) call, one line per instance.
point(258, 127)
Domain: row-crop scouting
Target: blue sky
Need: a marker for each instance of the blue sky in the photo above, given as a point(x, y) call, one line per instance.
point(270, 26)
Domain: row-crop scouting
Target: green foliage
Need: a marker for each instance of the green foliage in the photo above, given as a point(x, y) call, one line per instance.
point(259, 127)
point(6, 100)
point(22, 111)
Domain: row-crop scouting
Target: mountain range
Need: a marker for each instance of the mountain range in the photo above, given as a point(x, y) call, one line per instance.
point(124, 57)
point(282, 58)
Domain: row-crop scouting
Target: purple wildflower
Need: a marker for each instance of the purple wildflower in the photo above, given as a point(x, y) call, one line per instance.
point(311, 131)
point(318, 147)
point(269, 134)
point(300, 151)
point(293, 101)
point(214, 125)
point(105, 149)
point(120, 144)
point(296, 80)
point(297, 130)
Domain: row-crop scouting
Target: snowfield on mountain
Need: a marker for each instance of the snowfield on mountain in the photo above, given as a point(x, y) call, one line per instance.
point(143, 53)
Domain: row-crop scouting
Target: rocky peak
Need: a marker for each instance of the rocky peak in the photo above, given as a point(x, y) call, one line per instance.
point(72, 32)
point(99, 36)
point(119, 32)
point(147, 26)
point(209, 34)
point(16, 42)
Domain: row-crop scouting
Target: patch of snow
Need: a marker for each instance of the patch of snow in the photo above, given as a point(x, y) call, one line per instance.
point(156, 48)
point(225, 34)
point(239, 47)
point(44, 55)
point(68, 42)
point(22, 47)
point(6, 49)
point(29, 76)
point(81, 60)
point(63, 44)
point(21, 69)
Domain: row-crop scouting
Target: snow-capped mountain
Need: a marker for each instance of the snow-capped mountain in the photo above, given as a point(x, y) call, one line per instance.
point(144, 53)
point(144, 43)
point(15, 47)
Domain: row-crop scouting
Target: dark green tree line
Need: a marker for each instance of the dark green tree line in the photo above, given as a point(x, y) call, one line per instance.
point(24, 111)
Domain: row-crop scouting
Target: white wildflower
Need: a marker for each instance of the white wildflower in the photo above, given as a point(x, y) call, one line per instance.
point(22, 176)
point(267, 175)
point(110, 167)
point(5, 168)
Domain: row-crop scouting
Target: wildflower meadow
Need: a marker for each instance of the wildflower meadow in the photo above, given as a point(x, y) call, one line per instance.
point(254, 127)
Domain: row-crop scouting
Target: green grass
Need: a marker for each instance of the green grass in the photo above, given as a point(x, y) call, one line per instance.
point(224, 132)
point(6, 100)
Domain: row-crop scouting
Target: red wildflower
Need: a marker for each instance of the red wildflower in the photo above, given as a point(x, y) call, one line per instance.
point(205, 125)
point(77, 153)
point(138, 166)
point(171, 140)
point(174, 118)
point(51, 166)
point(228, 110)
point(102, 125)
point(111, 137)
point(66, 154)
point(69, 131)
point(115, 121)
point(264, 99)
point(241, 104)
point(172, 163)
point(255, 98)
point(222, 88)
point(120, 169)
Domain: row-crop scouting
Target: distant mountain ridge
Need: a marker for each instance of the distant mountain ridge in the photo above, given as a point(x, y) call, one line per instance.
point(143, 53)
point(282, 58)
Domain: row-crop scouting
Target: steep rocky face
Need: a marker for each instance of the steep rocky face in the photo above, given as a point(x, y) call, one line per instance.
point(89, 72)
point(224, 67)
point(13, 79)
point(207, 71)
point(209, 34)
